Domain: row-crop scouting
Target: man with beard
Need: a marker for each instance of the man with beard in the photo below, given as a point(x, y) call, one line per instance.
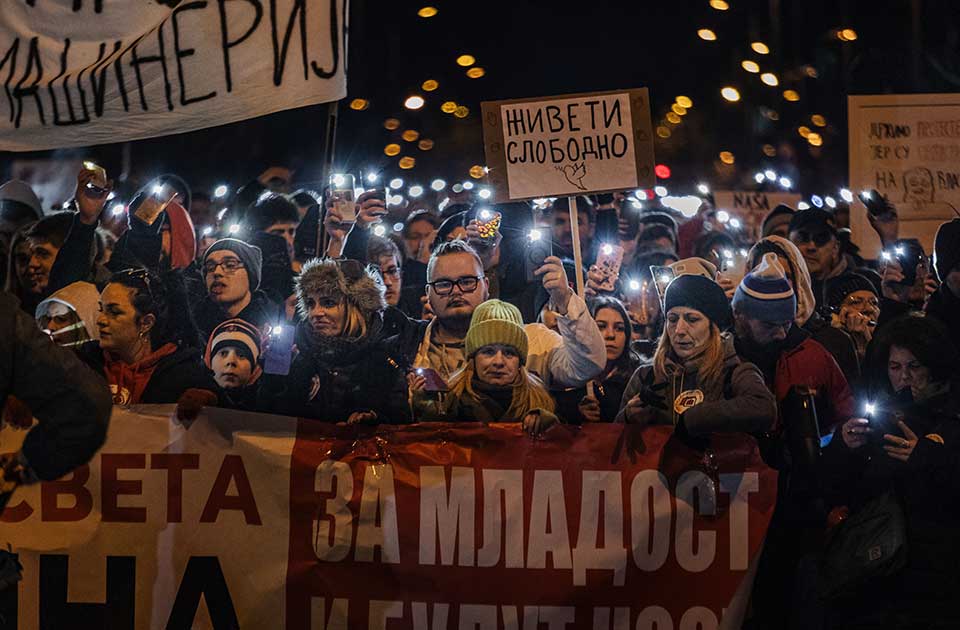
point(456, 285)
point(764, 309)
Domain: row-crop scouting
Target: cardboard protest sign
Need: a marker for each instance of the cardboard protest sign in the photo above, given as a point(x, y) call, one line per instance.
point(256, 521)
point(907, 146)
point(569, 145)
point(752, 206)
point(87, 72)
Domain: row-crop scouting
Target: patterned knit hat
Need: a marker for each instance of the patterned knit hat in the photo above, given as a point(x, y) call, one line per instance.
point(765, 293)
point(237, 333)
point(496, 322)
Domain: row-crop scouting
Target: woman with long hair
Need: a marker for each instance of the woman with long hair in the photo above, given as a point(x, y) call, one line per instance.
point(599, 400)
point(494, 385)
point(341, 370)
point(908, 448)
point(148, 343)
point(696, 382)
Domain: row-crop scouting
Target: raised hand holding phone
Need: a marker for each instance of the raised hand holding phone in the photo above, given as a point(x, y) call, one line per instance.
point(93, 188)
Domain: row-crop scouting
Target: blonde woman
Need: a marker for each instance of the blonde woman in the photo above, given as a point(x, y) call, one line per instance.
point(341, 371)
point(695, 381)
point(494, 385)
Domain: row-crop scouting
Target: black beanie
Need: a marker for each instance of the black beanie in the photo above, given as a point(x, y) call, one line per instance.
point(946, 249)
point(839, 288)
point(249, 255)
point(702, 294)
point(271, 209)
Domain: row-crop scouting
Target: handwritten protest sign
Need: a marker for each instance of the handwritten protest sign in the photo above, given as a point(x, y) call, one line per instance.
point(569, 145)
point(908, 148)
point(752, 206)
point(255, 521)
point(87, 72)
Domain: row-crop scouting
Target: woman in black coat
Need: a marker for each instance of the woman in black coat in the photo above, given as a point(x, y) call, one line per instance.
point(342, 371)
point(910, 445)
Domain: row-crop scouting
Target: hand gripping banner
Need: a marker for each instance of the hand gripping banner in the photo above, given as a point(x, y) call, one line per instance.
point(255, 521)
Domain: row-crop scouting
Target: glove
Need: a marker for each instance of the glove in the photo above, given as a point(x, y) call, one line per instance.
point(650, 394)
point(192, 401)
point(17, 414)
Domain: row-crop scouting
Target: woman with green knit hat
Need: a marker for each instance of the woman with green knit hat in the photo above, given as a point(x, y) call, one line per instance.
point(494, 385)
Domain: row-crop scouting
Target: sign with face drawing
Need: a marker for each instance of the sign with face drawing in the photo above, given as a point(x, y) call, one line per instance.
point(907, 147)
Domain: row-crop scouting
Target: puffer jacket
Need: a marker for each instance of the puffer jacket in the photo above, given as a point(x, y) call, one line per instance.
point(70, 401)
point(330, 379)
point(744, 405)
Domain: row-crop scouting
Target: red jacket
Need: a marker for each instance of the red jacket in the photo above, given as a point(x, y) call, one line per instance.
point(806, 362)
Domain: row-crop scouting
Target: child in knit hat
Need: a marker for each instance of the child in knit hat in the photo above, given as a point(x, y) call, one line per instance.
point(494, 385)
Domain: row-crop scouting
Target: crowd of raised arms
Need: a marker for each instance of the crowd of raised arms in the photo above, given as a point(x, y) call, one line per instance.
point(306, 304)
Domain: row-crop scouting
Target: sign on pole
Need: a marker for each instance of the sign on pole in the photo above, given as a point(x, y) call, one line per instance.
point(559, 146)
point(92, 72)
point(908, 148)
point(752, 206)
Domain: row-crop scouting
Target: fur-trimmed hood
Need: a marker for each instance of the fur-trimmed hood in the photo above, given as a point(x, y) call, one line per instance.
point(360, 285)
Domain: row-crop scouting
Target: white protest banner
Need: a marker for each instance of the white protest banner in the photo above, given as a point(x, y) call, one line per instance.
point(248, 520)
point(752, 206)
point(907, 146)
point(86, 72)
point(568, 145)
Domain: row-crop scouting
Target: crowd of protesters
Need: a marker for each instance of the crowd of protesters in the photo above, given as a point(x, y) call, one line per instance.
point(295, 303)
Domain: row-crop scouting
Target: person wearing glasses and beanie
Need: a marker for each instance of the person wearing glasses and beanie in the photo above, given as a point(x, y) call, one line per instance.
point(341, 370)
point(148, 344)
point(696, 382)
point(231, 272)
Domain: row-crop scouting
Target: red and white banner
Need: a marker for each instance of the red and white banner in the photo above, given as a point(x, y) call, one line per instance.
point(255, 521)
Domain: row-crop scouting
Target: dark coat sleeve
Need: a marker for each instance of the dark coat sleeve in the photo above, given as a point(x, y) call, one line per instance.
point(74, 261)
point(70, 401)
point(139, 246)
point(752, 408)
point(355, 246)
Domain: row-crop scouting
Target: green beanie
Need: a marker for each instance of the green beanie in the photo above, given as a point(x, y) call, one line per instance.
point(497, 322)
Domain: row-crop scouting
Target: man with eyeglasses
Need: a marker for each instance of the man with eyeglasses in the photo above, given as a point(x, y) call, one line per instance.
point(814, 233)
point(764, 310)
point(456, 285)
point(854, 308)
point(231, 272)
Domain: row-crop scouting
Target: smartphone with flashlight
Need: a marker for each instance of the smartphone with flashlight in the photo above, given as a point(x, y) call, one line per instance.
point(97, 186)
point(609, 261)
point(909, 255)
point(875, 203)
point(156, 202)
point(539, 247)
point(434, 382)
point(488, 223)
point(279, 352)
point(662, 276)
point(342, 191)
point(732, 266)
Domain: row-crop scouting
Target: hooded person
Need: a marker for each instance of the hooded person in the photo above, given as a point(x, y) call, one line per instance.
point(19, 206)
point(837, 342)
point(695, 381)
point(944, 305)
point(231, 271)
point(70, 315)
point(494, 384)
point(342, 371)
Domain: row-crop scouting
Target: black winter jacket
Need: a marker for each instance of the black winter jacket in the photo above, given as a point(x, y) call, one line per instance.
point(330, 379)
point(173, 375)
point(71, 402)
point(928, 487)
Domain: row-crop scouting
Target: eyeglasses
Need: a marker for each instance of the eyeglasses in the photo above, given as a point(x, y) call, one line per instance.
point(818, 238)
point(230, 266)
point(862, 302)
point(467, 284)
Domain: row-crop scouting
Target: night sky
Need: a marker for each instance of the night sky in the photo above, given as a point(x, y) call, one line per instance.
point(543, 48)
